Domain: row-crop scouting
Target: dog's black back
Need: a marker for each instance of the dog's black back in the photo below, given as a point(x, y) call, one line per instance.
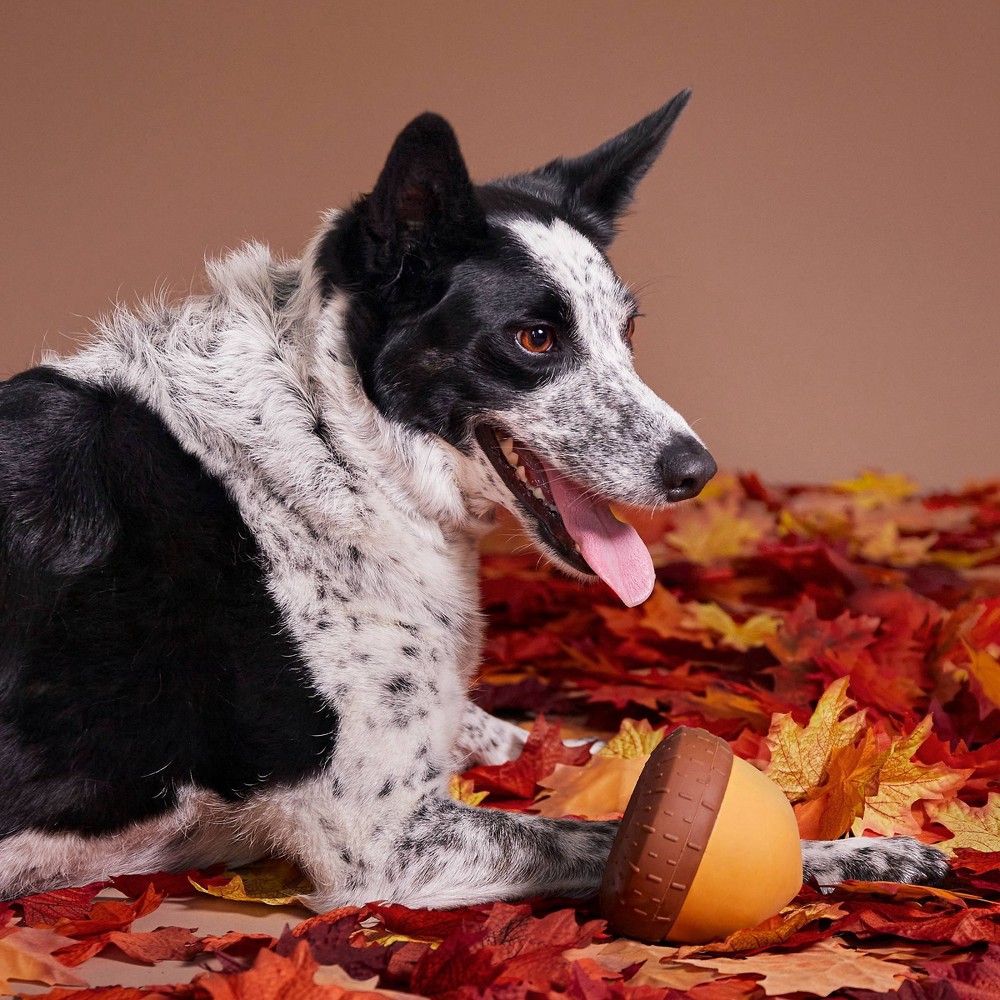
point(141, 649)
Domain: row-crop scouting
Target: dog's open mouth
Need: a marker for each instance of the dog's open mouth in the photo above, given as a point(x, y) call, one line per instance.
point(571, 519)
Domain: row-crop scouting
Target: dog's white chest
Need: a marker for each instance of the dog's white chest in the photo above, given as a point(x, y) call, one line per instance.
point(396, 606)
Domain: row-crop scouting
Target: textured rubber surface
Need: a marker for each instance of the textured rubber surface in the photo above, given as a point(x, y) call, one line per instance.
point(664, 832)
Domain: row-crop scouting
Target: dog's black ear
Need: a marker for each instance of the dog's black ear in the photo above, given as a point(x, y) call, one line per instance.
point(600, 184)
point(421, 214)
point(423, 210)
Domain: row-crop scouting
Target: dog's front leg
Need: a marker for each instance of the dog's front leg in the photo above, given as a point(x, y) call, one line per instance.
point(872, 859)
point(444, 853)
point(485, 739)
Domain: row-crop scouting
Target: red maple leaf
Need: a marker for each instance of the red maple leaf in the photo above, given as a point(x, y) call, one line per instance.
point(94, 931)
point(45, 909)
point(518, 778)
point(274, 976)
point(459, 961)
point(168, 883)
point(959, 926)
point(399, 919)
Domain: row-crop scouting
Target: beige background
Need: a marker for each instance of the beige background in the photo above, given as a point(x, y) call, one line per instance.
point(816, 251)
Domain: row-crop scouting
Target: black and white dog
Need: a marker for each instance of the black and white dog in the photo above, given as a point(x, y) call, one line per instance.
point(238, 541)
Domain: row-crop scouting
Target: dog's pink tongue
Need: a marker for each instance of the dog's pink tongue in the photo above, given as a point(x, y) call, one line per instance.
point(614, 551)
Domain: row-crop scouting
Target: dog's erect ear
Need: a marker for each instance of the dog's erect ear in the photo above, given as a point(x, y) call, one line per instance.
point(423, 210)
point(422, 214)
point(600, 184)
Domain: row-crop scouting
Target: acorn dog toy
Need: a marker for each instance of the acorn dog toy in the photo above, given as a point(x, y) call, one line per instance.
point(707, 846)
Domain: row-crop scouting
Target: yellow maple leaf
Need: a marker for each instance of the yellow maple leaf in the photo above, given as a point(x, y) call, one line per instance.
point(902, 782)
point(977, 827)
point(273, 881)
point(873, 489)
point(720, 486)
point(463, 790)
point(755, 631)
point(957, 559)
point(632, 740)
point(710, 532)
point(883, 543)
point(800, 757)
point(826, 516)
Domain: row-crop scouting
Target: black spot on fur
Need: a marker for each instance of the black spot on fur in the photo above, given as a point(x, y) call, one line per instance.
point(400, 684)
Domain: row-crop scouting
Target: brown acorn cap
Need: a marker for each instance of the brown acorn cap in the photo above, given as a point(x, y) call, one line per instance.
point(664, 832)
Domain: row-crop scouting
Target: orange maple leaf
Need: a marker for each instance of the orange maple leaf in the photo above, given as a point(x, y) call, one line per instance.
point(274, 976)
point(774, 930)
point(26, 954)
point(667, 616)
point(834, 805)
point(822, 968)
point(985, 672)
point(601, 788)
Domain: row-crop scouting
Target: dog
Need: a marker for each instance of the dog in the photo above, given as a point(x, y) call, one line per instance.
point(238, 534)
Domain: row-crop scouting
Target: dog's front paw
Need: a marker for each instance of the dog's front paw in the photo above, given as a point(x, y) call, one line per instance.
point(872, 859)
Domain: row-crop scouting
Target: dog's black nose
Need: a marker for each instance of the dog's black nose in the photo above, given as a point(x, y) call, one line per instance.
point(684, 467)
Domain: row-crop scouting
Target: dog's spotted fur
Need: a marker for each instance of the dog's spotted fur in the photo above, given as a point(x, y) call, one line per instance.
point(239, 542)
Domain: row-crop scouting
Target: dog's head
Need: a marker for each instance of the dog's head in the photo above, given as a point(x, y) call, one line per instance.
point(489, 316)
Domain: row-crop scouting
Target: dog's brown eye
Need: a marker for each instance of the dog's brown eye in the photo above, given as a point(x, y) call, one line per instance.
point(537, 339)
point(630, 329)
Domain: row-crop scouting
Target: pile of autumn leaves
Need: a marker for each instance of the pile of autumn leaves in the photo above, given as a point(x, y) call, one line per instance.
point(844, 639)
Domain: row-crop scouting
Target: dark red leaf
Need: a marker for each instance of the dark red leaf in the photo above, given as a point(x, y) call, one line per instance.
point(46, 908)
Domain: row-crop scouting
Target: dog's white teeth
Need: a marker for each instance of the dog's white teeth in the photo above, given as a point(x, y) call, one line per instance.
point(506, 446)
point(521, 474)
point(537, 494)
